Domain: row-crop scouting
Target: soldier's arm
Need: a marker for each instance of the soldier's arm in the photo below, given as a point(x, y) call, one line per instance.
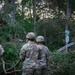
point(47, 56)
point(22, 53)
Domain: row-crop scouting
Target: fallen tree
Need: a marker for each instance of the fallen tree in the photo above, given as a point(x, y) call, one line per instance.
point(66, 46)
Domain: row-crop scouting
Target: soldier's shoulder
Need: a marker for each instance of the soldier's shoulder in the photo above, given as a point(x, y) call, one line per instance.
point(39, 46)
point(24, 46)
point(35, 44)
point(45, 47)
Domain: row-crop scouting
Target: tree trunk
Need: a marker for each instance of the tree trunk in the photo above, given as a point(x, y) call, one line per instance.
point(22, 14)
point(13, 13)
point(67, 14)
point(34, 15)
point(68, 45)
point(30, 10)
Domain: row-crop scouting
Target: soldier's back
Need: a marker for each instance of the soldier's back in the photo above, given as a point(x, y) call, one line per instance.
point(31, 55)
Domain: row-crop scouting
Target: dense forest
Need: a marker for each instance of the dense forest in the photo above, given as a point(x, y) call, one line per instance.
point(53, 19)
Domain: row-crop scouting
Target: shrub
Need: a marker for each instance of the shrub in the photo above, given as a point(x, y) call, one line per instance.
point(61, 63)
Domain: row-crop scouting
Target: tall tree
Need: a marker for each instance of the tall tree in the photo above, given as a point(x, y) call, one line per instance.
point(13, 13)
point(34, 15)
point(67, 14)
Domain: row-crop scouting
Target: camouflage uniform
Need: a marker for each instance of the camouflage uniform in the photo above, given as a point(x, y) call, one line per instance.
point(29, 55)
point(43, 59)
point(43, 55)
point(1, 50)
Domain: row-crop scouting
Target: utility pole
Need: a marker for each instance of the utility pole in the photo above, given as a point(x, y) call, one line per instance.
point(67, 24)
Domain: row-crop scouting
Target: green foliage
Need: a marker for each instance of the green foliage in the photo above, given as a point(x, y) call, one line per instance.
point(23, 2)
point(72, 5)
point(4, 33)
point(11, 52)
point(62, 64)
point(11, 56)
point(53, 31)
point(7, 32)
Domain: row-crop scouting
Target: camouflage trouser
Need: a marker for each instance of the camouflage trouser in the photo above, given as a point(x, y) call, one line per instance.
point(37, 72)
point(43, 71)
point(31, 72)
point(40, 72)
point(27, 71)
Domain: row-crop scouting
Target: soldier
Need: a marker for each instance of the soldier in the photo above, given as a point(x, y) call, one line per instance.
point(1, 50)
point(43, 56)
point(29, 55)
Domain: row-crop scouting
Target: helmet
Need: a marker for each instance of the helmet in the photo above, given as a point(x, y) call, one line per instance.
point(30, 35)
point(40, 39)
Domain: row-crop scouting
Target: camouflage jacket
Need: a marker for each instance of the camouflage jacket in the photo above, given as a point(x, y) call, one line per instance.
point(29, 54)
point(43, 56)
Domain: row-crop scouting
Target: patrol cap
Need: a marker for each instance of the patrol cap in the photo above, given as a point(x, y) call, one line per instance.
point(40, 39)
point(30, 35)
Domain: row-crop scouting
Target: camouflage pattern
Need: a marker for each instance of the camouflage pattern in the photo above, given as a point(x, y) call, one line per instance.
point(29, 55)
point(43, 58)
point(1, 50)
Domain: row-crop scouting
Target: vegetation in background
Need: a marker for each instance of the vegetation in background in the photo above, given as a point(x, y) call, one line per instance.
point(61, 63)
point(49, 20)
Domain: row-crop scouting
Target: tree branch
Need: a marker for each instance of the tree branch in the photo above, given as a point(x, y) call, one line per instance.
point(14, 65)
point(68, 45)
point(9, 68)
